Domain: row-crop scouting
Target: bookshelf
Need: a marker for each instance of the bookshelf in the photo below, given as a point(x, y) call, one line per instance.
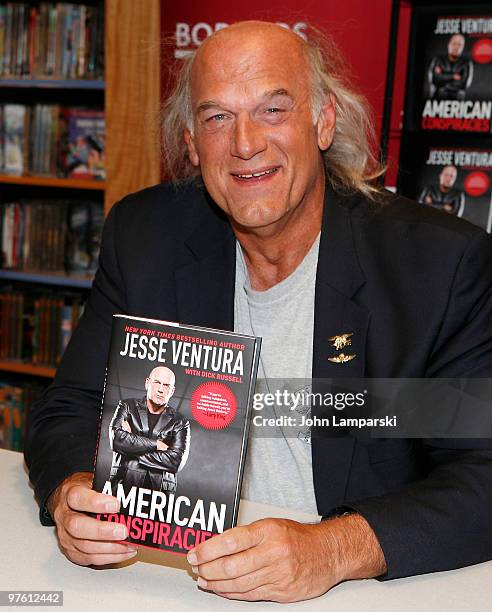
point(44, 181)
point(130, 94)
point(132, 97)
point(48, 278)
point(53, 83)
point(19, 367)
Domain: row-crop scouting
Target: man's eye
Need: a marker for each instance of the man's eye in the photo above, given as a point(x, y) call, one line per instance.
point(273, 110)
point(218, 117)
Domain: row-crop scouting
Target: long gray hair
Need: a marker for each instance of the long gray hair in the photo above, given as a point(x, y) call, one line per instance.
point(351, 163)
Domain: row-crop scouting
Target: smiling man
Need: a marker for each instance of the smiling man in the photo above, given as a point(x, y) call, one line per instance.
point(279, 230)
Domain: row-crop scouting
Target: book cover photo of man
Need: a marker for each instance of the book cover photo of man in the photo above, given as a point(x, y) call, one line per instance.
point(149, 438)
point(445, 196)
point(451, 74)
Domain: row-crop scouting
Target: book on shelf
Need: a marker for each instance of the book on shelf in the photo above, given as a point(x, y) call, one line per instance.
point(14, 129)
point(51, 235)
point(36, 324)
point(15, 403)
point(174, 429)
point(51, 140)
point(84, 226)
point(84, 156)
point(49, 40)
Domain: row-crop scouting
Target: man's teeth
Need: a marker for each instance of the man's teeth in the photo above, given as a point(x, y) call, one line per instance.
point(257, 174)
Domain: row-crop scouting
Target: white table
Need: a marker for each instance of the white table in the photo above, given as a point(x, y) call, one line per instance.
point(30, 560)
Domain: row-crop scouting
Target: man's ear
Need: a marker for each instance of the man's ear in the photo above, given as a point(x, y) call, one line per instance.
point(326, 122)
point(190, 143)
point(146, 384)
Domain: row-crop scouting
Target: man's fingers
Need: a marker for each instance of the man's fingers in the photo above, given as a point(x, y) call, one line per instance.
point(262, 593)
point(232, 541)
point(83, 559)
point(83, 499)
point(234, 566)
point(243, 584)
point(93, 547)
point(86, 528)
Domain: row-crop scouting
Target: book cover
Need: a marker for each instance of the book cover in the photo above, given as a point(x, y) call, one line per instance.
point(15, 138)
point(78, 258)
point(85, 144)
point(174, 428)
point(449, 85)
point(451, 174)
point(94, 242)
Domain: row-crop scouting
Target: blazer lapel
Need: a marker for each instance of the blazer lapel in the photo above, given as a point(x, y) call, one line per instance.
point(205, 287)
point(340, 330)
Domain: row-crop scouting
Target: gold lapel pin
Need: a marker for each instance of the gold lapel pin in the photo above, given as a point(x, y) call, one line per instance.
point(341, 341)
point(342, 358)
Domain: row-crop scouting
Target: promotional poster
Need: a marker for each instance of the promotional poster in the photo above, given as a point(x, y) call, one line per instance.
point(449, 85)
point(173, 431)
point(454, 178)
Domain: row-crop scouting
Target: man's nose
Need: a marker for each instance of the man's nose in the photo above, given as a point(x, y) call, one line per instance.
point(248, 137)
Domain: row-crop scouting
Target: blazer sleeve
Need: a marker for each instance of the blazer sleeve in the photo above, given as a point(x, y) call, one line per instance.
point(63, 425)
point(445, 520)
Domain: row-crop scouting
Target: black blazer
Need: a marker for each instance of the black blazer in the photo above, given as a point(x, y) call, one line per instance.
point(413, 284)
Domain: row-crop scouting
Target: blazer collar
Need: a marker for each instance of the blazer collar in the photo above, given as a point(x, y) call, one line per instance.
point(338, 265)
point(205, 287)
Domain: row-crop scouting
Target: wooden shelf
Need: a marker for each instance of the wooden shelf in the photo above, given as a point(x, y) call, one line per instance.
point(19, 367)
point(48, 181)
point(53, 83)
point(48, 278)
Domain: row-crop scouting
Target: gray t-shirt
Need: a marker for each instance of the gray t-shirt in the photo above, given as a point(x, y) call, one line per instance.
point(278, 468)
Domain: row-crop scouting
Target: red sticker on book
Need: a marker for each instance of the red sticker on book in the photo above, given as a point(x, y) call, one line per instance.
point(213, 405)
point(476, 183)
point(482, 51)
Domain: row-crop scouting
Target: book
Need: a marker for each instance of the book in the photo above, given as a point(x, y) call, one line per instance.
point(46, 39)
point(36, 324)
point(450, 72)
point(78, 257)
point(15, 403)
point(449, 173)
point(51, 235)
point(14, 126)
point(46, 139)
point(86, 143)
point(174, 429)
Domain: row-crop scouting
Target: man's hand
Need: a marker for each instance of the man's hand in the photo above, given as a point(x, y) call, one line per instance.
point(286, 561)
point(126, 426)
point(457, 77)
point(438, 70)
point(85, 540)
